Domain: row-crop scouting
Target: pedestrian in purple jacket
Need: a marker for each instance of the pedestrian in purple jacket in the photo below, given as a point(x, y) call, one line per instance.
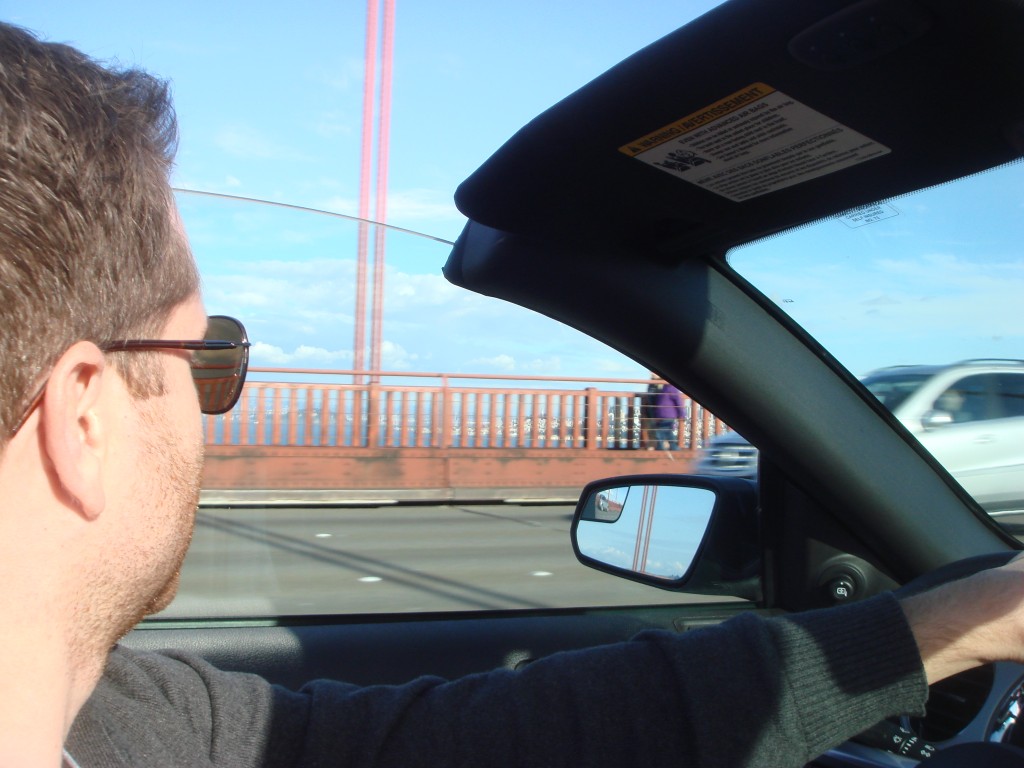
point(668, 410)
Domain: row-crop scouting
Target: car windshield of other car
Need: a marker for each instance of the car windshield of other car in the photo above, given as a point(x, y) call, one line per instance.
point(894, 386)
point(919, 297)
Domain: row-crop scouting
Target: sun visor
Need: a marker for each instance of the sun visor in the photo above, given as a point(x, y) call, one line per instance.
point(760, 116)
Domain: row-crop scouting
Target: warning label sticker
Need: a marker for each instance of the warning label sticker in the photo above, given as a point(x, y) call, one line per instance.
point(753, 142)
point(868, 214)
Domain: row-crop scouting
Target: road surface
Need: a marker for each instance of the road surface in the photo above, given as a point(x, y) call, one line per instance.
point(254, 562)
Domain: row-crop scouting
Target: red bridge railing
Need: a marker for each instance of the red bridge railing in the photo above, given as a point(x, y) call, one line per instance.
point(312, 408)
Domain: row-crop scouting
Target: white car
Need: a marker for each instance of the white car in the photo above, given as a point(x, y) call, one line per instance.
point(969, 415)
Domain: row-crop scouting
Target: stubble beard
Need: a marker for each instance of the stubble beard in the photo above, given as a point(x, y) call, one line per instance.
point(178, 474)
point(143, 578)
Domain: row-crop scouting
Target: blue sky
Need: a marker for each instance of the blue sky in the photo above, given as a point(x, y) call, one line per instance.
point(270, 107)
point(940, 280)
point(269, 97)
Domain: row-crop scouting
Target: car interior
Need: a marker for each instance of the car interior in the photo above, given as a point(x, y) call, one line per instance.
point(892, 96)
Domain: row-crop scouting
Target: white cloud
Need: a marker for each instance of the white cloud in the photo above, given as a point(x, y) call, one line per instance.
point(348, 75)
point(404, 207)
point(623, 366)
point(338, 204)
point(303, 356)
point(498, 362)
point(394, 357)
point(332, 125)
point(422, 205)
point(249, 143)
point(294, 289)
point(285, 296)
point(250, 299)
point(404, 291)
point(548, 366)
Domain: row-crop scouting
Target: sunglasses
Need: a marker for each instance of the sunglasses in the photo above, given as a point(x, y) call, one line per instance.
point(219, 363)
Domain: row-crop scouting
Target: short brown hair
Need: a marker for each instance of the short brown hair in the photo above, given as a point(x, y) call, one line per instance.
point(89, 247)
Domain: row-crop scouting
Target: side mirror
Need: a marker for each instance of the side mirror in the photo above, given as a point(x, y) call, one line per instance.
point(936, 419)
point(678, 532)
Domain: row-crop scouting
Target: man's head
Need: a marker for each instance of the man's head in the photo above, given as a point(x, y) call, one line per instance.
point(89, 244)
point(99, 483)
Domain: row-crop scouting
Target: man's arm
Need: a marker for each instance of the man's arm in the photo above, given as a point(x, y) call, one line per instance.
point(970, 622)
point(748, 692)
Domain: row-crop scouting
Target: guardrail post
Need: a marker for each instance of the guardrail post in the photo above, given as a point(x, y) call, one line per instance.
point(445, 419)
point(591, 428)
point(373, 414)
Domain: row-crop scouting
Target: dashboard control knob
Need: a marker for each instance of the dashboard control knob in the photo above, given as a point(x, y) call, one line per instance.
point(842, 589)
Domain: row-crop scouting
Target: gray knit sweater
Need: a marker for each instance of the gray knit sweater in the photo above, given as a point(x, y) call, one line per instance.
point(748, 692)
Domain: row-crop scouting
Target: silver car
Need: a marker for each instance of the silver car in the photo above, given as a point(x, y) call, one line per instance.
point(729, 455)
point(969, 415)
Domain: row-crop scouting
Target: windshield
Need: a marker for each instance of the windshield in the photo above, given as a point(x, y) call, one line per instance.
point(920, 298)
point(892, 388)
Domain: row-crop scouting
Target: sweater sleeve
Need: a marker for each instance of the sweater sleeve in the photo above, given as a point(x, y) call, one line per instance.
point(749, 692)
point(167, 710)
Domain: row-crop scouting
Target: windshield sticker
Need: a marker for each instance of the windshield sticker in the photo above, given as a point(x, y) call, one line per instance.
point(868, 214)
point(756, 141)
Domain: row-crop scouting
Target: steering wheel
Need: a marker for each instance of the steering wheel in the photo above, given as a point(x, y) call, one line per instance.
point(979, 754)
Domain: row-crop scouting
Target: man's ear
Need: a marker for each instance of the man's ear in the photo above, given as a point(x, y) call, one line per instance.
point(73, 435)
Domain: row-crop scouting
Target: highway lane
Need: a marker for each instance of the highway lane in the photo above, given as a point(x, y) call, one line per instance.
point(267, 561)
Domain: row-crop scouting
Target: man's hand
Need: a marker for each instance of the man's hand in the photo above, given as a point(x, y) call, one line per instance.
point(970, 622)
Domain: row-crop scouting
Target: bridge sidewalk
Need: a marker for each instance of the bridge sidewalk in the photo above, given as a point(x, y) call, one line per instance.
point(364, 497)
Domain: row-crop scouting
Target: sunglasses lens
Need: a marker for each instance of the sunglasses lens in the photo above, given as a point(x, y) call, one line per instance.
point(220, 373)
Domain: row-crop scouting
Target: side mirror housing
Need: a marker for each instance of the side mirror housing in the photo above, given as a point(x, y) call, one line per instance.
point(678, 532)
point(936, 419)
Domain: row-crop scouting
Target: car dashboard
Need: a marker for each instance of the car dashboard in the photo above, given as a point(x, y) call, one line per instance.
point(980, 705)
